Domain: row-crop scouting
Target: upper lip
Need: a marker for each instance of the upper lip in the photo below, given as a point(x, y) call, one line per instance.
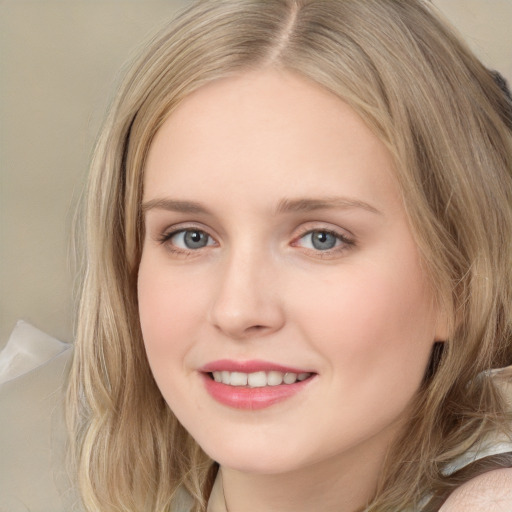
point(251, 366)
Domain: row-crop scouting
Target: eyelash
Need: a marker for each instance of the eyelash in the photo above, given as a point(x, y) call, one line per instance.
point(346, 242)
point(166, 237)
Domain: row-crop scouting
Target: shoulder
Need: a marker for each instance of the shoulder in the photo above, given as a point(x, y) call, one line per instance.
point(489, 492)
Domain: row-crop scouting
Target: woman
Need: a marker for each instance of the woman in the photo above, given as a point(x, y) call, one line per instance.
point(298, 275)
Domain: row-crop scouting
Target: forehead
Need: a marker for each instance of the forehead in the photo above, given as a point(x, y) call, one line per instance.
point(267, 130)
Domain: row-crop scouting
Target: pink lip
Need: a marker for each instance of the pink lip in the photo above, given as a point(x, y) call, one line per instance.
point(250, 398)
point(252, 366)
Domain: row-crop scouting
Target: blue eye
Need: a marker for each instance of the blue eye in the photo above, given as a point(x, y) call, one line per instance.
point(323, 240)
point(190, 239)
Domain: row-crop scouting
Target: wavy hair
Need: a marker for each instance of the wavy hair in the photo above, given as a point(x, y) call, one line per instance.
point(444, 119)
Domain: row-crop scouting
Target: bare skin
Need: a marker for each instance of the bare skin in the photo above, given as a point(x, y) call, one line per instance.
point(490, 492)
point(275, 231)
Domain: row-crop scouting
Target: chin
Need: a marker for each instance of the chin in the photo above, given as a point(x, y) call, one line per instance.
point(257, 460)
point(258, 467)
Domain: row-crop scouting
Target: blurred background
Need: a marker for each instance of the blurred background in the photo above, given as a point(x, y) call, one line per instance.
point(59, 63)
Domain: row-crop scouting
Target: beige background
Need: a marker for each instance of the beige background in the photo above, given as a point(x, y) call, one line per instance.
point(59, 63)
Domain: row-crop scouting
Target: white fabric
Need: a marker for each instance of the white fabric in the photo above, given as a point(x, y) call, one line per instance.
point(26, 349)
point(494, 446)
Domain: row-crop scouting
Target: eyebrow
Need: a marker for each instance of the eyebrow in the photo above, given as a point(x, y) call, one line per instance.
point(324, 203)
point(284, 205)
point(174, 205)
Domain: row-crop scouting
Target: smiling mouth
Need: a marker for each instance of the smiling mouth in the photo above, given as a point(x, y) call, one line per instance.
point(261, 385)
point(258, 379)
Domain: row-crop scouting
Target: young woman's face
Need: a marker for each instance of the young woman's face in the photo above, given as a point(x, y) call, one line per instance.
point(277, 248)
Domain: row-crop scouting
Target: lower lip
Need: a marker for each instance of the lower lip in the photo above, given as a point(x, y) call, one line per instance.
point(240, 397)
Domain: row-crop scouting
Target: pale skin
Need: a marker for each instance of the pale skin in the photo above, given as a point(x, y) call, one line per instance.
point(491, 492)
point(256, 166)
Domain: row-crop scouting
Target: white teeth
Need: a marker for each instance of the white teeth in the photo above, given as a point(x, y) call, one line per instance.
point(274, 378)
point(238, 379)
point(258, 379)
point(289, 378)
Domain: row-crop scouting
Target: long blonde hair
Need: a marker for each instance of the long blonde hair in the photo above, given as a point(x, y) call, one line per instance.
point(442, 116)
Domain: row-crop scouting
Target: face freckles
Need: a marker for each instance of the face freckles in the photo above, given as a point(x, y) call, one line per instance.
point(276, 241)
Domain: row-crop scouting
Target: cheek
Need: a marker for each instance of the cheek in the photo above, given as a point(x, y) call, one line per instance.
point(375, 332)
point(169, 309)
point(372, 320)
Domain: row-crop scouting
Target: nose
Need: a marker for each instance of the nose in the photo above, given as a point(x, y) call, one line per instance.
point(247, 303)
